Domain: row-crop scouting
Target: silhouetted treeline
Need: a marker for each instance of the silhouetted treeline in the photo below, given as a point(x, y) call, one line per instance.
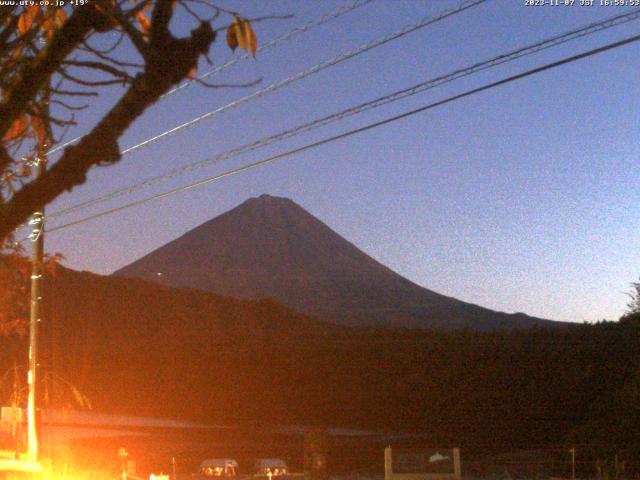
point(138, 348)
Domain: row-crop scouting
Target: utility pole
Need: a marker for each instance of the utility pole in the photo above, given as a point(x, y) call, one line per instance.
point(573, 463)
point(37, 271)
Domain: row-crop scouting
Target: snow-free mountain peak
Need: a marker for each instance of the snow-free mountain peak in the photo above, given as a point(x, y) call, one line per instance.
point(270, 247)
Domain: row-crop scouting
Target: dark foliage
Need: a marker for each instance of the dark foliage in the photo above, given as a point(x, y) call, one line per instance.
point(138, 348)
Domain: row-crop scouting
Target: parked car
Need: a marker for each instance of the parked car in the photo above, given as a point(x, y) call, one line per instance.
point(271, 467)
point(219, 467)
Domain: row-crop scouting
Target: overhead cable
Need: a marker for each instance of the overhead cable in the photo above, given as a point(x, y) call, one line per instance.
point(276, 41)
point(350, 133)
point(395, 96)
point(310, 71)
point(464, 5)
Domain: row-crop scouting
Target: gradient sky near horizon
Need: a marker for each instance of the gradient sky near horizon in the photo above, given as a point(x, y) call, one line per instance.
point(522, 198)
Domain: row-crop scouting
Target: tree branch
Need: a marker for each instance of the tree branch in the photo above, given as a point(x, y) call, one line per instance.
point(73, 93)
point(69, 106)
point(134, 35)
point(100, 66)
point(5, 159)
point(167, 65)
point(92, 83)
point(107, 51)
point(228, 85)
point(6, 33)
point(64, 41)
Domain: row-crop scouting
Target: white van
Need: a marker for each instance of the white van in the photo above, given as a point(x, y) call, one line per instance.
point(219, 467)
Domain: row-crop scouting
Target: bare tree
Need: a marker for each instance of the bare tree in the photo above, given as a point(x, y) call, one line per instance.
point(633, 306)
point(53, 59)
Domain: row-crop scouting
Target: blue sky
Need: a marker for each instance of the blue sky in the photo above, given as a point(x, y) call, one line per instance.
point(521, 198)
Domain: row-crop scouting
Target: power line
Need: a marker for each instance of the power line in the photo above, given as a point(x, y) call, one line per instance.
point(324, 19)
point(310, 71)
point(298, 30)
point(350, 133)
point(276, 41)
point(395, 96)
point(299, 76)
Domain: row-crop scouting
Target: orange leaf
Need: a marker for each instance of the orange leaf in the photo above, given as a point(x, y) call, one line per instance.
point(18, 129)
point(53, 21)
point(145, 24)
point(25, 21)
point(232, 35)
point(242, 38)
point(61, 17)
point(48, 26)
point(245, 35)
point(241, 34)
point(17, 53)
point(38, 128)
point(251, 39)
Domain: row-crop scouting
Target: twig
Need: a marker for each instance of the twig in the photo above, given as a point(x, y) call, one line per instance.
point(228, 85)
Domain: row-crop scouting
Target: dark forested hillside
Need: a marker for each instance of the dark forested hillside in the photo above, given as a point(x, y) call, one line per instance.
point(139, 348)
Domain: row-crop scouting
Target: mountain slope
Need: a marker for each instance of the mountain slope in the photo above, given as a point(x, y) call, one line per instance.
point(270, 247)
